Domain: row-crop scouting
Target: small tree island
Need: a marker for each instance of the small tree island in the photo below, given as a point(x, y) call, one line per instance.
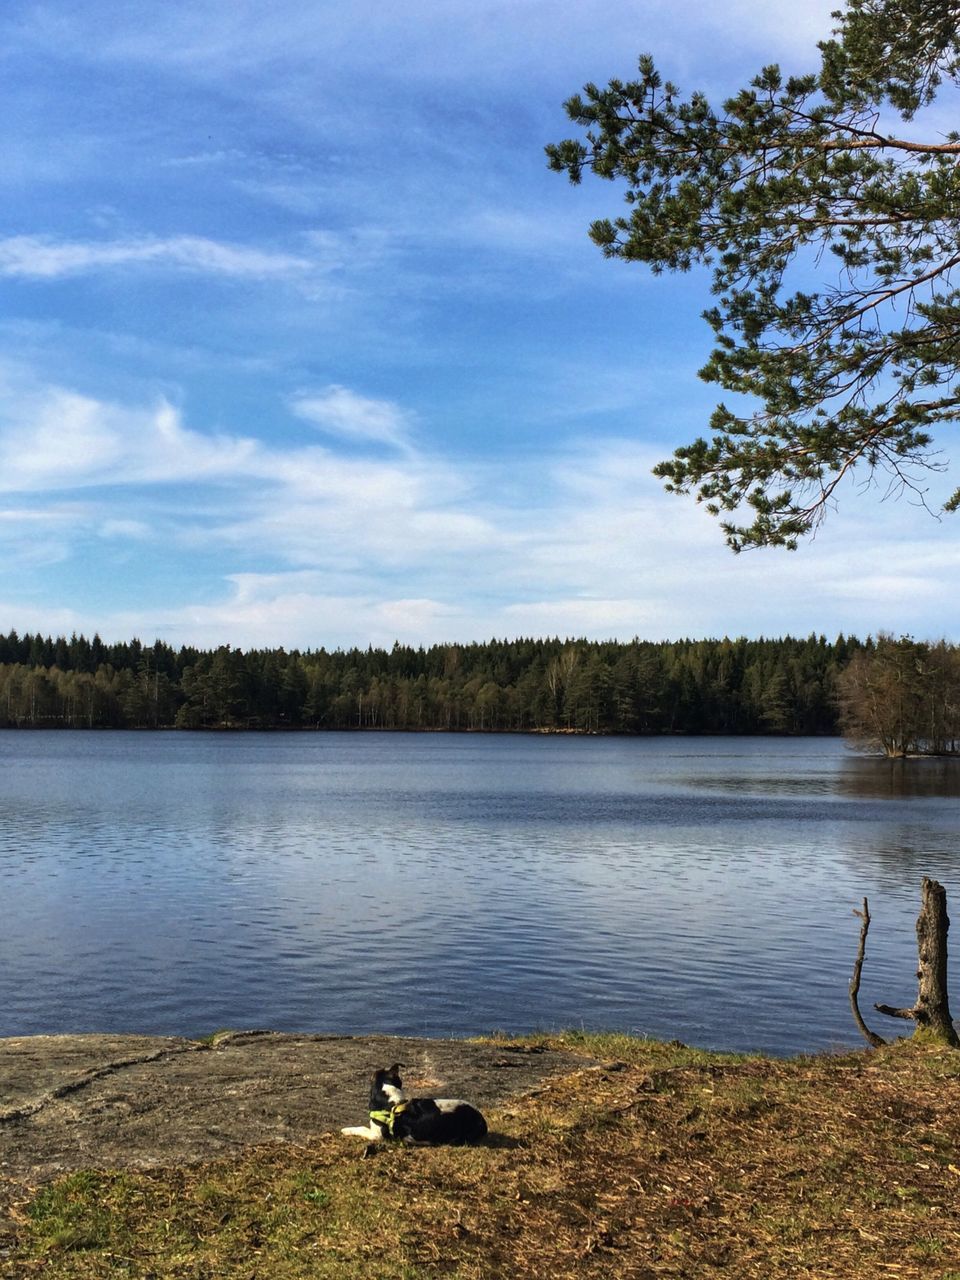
point(902, 697)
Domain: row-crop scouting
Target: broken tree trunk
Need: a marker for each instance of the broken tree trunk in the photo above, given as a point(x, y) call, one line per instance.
point(931, 1013)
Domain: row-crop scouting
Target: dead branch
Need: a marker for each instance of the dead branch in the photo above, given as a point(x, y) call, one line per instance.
point(871, 1037)
point(891, 1012)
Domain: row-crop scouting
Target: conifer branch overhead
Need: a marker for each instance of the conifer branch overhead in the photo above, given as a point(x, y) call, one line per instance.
point(833, 247)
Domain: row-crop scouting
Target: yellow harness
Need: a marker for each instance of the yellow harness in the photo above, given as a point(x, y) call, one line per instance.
point(387, 1118)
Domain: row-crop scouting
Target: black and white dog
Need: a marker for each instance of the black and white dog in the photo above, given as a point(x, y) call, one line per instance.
point(424, 1120)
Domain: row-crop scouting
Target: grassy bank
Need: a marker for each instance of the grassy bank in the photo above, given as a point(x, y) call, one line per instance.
point(665, 1162)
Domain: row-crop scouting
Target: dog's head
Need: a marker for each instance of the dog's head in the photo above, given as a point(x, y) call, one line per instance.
point(387, 1087)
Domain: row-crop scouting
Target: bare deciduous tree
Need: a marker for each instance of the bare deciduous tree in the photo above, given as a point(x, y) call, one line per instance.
point(902, 697)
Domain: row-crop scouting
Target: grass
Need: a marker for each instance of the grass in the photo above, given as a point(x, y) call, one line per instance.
point(666, 1162)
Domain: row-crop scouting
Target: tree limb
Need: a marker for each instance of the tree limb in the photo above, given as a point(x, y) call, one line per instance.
point(909, 1014)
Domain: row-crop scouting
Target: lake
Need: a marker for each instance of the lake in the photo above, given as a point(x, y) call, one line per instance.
point(445, 885)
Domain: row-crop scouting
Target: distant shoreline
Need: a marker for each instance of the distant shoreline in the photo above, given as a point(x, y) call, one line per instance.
point(426, 730)
point(636, 688)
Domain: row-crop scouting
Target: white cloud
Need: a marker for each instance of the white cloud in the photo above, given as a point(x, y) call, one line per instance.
point(204, 158)
point(343, 413)
point(435, 39)
point(44, 258)
point(427, 201)
point(57, 440)
point(313, 547)
point(28, 617)
point(33, 538)
point(124, 529)
point(307, 505)
point(262, 606)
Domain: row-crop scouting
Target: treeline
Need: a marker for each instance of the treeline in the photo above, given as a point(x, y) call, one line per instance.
point(784, 686)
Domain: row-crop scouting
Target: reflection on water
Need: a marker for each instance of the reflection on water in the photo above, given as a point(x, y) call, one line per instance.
point(438, 885)
point(875, 776)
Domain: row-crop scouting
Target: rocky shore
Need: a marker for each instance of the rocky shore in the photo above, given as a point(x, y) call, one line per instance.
point(128, 1101)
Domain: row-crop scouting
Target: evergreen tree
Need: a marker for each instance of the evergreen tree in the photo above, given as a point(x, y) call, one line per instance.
point(795, 179)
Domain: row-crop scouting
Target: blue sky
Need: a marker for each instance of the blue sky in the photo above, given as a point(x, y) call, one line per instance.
point(303, 345)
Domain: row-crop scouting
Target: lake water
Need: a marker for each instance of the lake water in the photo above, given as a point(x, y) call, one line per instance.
point(701, 889)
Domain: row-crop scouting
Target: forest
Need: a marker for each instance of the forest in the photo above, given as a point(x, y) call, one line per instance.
point(776, 686)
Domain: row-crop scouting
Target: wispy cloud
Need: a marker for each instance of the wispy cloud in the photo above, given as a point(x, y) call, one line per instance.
point(442, 454)
point(306, 504)
point(341, 412)
point(36, 535)
point(432, 39)
point(55, 440)
point(359, 547)
point(45, 258)
point(204, 158)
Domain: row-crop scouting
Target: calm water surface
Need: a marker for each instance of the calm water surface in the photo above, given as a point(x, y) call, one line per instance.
point(440, 885)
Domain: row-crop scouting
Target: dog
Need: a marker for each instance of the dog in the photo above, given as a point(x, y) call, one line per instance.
point(425, 1121)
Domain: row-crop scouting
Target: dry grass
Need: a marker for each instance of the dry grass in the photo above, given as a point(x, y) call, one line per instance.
point(665, 1163)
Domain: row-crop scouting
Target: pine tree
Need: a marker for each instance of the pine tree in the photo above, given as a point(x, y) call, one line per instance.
point(794, 179)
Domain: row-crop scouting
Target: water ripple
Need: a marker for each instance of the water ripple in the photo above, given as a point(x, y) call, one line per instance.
point(419, 885)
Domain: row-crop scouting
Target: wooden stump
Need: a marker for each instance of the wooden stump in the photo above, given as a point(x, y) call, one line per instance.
point(931, 1013)
point(932, 1009)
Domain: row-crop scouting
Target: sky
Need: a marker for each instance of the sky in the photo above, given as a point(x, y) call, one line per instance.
point(302, 345)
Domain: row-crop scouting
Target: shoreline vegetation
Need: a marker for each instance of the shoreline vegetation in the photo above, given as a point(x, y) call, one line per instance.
point(661, 1161)
point(894, 697)
point(784, 686)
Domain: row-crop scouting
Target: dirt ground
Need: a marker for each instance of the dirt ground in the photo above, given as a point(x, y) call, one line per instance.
point(116, 1102)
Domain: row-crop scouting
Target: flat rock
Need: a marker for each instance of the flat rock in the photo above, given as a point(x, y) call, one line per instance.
point(116, 1102)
